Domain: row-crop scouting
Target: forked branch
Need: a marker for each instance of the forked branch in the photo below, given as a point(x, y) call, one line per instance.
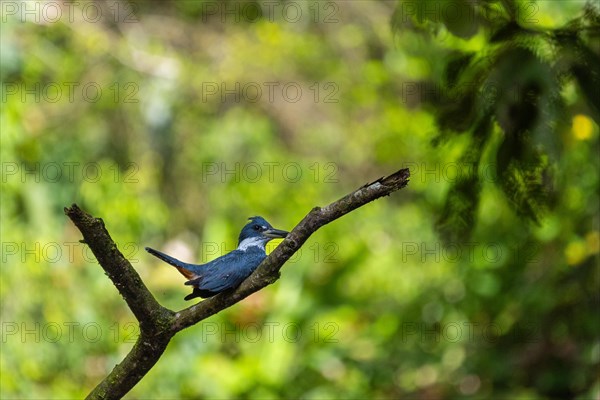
point(159, 324)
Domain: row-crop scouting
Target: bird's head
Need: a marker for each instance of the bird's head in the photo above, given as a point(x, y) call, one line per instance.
point(258, 232)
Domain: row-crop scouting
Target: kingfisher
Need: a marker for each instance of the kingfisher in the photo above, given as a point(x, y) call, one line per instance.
point(229, 270)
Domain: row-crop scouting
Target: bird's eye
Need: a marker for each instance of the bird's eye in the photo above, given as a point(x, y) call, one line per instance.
point(256, 227)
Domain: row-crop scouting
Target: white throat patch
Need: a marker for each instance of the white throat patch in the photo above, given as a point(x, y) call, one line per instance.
point(251, 242)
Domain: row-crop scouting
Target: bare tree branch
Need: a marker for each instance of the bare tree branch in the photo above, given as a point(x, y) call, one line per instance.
point(139, 299)
point(159, 324)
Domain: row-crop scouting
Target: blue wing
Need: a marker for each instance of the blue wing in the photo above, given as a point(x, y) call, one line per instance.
point(227, 272)
point(223, 273)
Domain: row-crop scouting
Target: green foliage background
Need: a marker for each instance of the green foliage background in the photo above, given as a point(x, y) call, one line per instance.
point(447, 289)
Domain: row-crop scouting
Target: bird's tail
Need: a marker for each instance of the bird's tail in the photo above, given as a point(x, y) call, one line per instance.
point(180, 265)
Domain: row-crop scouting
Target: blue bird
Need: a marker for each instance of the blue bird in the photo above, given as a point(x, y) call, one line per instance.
point(230, 270)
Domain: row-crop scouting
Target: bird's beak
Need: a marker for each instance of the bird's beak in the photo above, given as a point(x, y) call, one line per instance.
point(275, 233)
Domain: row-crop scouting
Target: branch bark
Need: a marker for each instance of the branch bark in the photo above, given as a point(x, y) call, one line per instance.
point(159, 324)
point(144, 306)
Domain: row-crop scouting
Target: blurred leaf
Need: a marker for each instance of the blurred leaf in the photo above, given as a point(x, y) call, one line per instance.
point(506, 32)
point(457, 63)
